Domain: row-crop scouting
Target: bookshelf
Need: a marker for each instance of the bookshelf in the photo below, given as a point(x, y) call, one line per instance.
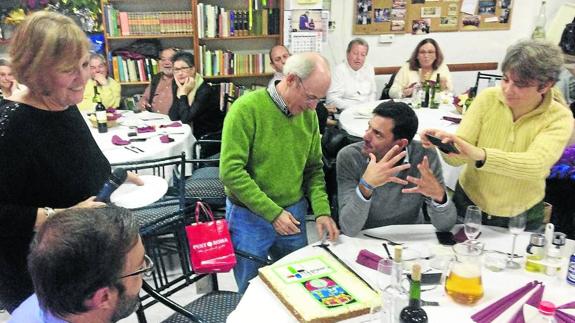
point(215, 28)
point(234, 38)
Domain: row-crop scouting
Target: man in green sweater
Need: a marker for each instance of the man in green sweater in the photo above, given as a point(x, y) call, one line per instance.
point(271, 161)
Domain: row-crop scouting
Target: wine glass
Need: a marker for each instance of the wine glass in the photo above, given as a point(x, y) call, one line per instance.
point(516, 226)
point(472, 222)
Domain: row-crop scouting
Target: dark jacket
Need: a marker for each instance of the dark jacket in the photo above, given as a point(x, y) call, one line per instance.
point(204, 112)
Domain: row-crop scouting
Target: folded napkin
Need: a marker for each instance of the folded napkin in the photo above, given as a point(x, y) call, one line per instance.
point(371, 260)
point(452, 119)
point(173, 124)
point(116, 140)
point(561, 316)
point(533, 300)
point(145, 129)
point(166, 139)
point(492, 311)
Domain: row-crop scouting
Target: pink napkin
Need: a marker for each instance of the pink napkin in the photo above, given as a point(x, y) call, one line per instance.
point(145, 129)
point(533, 300)
point(166, 139)
point(563, 317)
point(173, 124)
point(368, 259)
point(492, 311)
point(116, 140)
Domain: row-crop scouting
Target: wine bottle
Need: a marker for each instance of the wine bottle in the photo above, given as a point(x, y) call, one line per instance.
point(539, 31)
point(434, 100)
point(470, 97)
point(100, 110)
point(413, 313)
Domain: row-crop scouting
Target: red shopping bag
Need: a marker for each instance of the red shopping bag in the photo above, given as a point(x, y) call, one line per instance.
point(211, 248)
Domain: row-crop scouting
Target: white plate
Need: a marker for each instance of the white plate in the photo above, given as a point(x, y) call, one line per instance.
point(132, 196)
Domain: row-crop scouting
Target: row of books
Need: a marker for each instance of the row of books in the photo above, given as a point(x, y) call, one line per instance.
point(215, 21)
point(133, 70)
point(230, 92)
point(225, 62)
point(120, 23)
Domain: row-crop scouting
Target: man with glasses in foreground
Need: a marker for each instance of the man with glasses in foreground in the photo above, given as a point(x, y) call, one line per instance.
point(271, 161)
point(86, 266)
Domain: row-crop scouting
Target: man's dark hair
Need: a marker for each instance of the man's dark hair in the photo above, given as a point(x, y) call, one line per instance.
point(186, 57)
point(405, 121)
point(78, 251)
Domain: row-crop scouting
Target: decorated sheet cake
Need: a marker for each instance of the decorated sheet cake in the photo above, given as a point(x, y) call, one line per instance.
point(319, 289)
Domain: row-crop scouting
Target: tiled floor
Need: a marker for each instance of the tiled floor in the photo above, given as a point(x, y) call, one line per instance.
point(159, 312)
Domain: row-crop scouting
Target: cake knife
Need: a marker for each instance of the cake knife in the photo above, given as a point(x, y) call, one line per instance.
point(325, 246)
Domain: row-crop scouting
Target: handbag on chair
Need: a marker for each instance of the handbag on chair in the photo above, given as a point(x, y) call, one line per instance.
point(211, 249)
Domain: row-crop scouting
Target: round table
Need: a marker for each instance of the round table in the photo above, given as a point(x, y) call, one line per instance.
point(259, 304)
point(152, 147)
point(354, 120)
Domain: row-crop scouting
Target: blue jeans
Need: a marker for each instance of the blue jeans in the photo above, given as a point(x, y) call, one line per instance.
point(253, 234)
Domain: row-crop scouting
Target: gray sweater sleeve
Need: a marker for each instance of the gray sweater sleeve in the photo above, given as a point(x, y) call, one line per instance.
point(353, 210)
point(388, 205)
point(442, 217)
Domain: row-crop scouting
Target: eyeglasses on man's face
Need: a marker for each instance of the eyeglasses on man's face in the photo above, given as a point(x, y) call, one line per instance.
point(146, 269)
point(308, 97)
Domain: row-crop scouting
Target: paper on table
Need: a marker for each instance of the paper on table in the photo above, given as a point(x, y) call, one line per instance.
point(132, 196)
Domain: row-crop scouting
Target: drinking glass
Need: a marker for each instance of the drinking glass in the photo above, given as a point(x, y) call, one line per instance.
point(472, 222)
point(516, 226)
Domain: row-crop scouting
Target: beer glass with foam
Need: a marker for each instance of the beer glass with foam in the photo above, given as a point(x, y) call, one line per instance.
point(463, 283)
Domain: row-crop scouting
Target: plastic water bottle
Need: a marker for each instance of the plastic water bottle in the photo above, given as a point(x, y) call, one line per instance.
point(416, 97)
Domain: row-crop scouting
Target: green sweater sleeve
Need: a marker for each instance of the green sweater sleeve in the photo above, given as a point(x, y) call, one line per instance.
point(316, 183)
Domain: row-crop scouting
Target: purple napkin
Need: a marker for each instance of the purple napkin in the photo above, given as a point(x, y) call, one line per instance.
point(166, 139)
point(460, 235)
point(116, 140)
point(534, 301)
point(173, 124)
point(492, 311)
point(561, 316)
point(145, 129)
point(452, 119)
point(371, 260)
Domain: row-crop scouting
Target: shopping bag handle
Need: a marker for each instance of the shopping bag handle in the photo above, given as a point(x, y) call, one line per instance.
point(200, 206)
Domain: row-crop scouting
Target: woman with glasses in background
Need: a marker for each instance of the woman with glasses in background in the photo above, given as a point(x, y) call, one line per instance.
point(425, 63)
point(195, 101)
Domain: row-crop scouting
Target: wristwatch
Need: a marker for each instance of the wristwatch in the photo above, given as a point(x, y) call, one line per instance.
point(49, 212)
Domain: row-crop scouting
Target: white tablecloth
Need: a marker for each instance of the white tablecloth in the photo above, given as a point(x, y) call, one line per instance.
point(259, 304)
point(151, 148)
point(354, 121)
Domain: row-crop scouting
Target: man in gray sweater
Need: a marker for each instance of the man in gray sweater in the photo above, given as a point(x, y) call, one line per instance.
point(387, 178)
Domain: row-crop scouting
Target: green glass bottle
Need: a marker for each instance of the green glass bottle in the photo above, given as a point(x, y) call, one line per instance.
point(434, 100)
point(100, 110)
point(413, 313)
point(470, 97)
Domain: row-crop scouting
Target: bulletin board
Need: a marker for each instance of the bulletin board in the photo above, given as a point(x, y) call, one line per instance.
point(374, 17)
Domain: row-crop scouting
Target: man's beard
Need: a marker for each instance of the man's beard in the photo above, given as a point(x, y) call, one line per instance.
point(126, 306)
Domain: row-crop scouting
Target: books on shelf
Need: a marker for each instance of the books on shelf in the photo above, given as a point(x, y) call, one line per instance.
point(221, 62)
point(133, 70)
point(215, 21)
point(120, 23)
